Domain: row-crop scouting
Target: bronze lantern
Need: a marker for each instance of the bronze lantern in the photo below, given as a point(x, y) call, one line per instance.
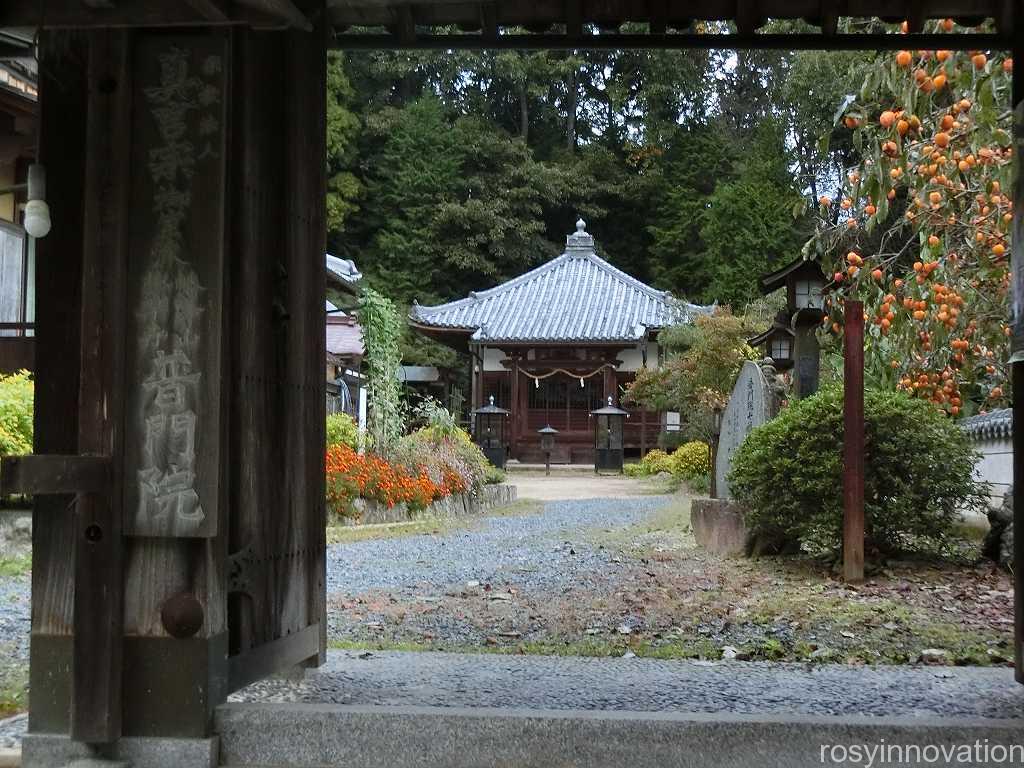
point(490, 432)
point(547, 445)
point(609, 429)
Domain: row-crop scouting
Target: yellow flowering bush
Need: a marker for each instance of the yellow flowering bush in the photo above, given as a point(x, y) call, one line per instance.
point(692, 460)
point(655, 461)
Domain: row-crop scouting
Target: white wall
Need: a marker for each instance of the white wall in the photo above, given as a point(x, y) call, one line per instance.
point(492, 360)
point(995, 466)
point(633, 359)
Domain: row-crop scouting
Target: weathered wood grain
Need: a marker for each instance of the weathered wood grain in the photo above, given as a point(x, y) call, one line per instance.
point(62, 105)
point(99, 546)
point(49, 473)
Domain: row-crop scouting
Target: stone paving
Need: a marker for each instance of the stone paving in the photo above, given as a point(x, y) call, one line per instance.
point(393, 678)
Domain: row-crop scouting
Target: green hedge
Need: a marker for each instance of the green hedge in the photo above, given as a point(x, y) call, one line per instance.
point(918, 474)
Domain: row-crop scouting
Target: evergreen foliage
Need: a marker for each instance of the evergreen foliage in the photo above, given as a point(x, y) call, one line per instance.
point(453, 172)
point(918, 465)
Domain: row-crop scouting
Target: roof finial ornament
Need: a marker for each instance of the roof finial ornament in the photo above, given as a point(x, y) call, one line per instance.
point(492, 400)
point(580, 242)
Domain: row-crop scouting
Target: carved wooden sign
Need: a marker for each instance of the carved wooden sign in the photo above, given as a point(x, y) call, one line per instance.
point(175, 283)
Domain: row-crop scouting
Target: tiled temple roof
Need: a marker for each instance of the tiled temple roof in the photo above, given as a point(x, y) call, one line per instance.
point(576, 297)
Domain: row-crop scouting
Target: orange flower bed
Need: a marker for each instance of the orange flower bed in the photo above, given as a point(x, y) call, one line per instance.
point(351, 475)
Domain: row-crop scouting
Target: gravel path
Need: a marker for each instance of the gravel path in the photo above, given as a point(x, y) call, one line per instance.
point(15, 626)
point(15, 617)
point(649, 685)
point(536, 551)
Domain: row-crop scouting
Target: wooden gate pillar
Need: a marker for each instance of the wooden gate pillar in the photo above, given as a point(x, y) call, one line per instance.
point(179, 529)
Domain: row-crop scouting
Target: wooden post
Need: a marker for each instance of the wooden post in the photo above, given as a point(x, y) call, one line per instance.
point(99, 547)
point(610, 390)
point(853, 443)
point(714, 461)
point(1017, 356)
point(514, 408)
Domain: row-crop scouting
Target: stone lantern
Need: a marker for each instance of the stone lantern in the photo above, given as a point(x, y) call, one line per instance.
point(547, 444)
point(804, 283)
point(490, 432)
point(778, 341)
point(609, 428)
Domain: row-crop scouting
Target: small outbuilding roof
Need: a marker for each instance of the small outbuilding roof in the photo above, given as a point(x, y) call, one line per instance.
point(993, 425)
point(342, 273)
point(344, 337)
point(576, 297)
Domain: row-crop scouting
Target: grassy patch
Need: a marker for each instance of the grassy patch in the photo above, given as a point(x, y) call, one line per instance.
point(349, 534)
point(670, 525)
point(13, 690)
point(17, 565)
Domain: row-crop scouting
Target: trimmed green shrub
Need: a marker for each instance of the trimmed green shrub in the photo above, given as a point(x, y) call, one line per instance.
point(16, 398)
point(342, 430)
point(918, 474)
point(493, 475)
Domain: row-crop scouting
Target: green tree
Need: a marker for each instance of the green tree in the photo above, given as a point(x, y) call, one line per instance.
point(342, 130)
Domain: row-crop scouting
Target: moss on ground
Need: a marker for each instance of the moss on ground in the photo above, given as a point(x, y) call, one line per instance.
point(427, 526)
point(15, 565)
point(13, 687)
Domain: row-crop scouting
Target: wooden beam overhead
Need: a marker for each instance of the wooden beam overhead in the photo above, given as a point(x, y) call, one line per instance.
point(748, 17)
point(214, 10)
point(828, 17)
point(405, 25)
point(915, 16)
point(489, 21)
point(659, 16)
point(574, 18)
point(782, 42)
point(285, 10)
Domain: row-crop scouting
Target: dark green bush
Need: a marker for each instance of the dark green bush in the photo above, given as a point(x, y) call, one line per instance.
point(918, 474)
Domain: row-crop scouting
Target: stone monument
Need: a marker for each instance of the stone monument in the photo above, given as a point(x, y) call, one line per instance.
point(718, 524)
point(751, 405)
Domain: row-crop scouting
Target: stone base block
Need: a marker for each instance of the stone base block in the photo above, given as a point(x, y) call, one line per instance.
point(47, 750)
point(335, 736)
point(718, 526)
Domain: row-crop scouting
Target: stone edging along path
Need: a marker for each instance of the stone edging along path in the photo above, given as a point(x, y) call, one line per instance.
point(459, 505)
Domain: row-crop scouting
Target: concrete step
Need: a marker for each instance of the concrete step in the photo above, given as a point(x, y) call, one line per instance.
point(328, 735)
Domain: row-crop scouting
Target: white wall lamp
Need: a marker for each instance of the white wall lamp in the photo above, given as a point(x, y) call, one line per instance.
point(37, 212)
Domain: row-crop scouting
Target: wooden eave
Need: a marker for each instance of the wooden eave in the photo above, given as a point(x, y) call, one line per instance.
point(548, 23)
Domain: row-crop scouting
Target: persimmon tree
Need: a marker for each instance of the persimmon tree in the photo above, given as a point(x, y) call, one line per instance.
point(920, 230)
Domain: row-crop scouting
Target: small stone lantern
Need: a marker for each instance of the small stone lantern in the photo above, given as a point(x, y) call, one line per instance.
point(804, 282)
point(490, 432)
point(547, 444)
point(609, 428)
point(777, 341)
